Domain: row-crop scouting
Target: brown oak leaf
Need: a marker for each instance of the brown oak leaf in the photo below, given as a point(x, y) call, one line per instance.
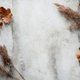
point(8, 18)
point(5, 15)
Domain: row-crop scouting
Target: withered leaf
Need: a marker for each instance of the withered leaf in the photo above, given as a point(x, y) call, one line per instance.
point(1, 24)
point(5, 15)
point(8, 18)
point(78, 56)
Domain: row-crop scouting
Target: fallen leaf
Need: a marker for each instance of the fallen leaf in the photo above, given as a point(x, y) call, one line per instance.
point(79, 5)
point(5, 15)
point(78, 56)
point(8, 18)
point(1, 24)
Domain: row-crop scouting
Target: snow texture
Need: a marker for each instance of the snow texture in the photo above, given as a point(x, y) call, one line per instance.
point(38, 41)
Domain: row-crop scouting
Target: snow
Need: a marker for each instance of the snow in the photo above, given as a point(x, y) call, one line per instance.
point(38, 41)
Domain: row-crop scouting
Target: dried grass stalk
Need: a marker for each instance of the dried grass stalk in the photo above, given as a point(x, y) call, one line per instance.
point(7, 73)
point(70, 14)
point(6, 59)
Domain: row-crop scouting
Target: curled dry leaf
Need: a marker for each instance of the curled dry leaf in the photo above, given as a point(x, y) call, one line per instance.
point(5, 15)
point(70, 14)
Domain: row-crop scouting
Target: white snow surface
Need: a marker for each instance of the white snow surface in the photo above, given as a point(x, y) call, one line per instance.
point(38, 41)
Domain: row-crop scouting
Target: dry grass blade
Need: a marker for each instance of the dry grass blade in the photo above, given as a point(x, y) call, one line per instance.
point(6, 59)
point(7, 73)
point(70, 14)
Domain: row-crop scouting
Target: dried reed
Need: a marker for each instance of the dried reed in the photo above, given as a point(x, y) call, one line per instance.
point(7, 73)
point(6, 59)
point(70, 14)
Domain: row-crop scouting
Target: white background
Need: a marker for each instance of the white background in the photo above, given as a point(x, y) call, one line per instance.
point(38, 41)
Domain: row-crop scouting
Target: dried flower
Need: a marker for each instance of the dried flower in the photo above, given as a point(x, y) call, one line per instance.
point(7, 73)
point(3, 71)
point(70, 14)
point(6, 59)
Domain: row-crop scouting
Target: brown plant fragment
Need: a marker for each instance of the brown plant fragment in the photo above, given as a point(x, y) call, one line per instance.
point(8, 18)
point(1, 24)
point(78, 56)
point(5, 15)
point(70, 14)
point(3, 71)
point(6, 59)
point(79, 5)
point(7, 73)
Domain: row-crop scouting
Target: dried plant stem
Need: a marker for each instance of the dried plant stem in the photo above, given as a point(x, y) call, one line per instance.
point(6, 59)
point(18, 72)
point(15, 78)
point(7, 73)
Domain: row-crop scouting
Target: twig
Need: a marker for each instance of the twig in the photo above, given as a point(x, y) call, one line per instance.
point(15, 78)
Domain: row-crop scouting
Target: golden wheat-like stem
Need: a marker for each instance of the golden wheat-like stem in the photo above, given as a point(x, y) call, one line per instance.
point(18, 72)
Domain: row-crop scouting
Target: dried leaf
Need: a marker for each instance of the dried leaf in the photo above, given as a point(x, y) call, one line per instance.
point(1, 24)
point(70, 14)
point(79, 5)
point(8, 18)
point(78, 56)
point(5, 15)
